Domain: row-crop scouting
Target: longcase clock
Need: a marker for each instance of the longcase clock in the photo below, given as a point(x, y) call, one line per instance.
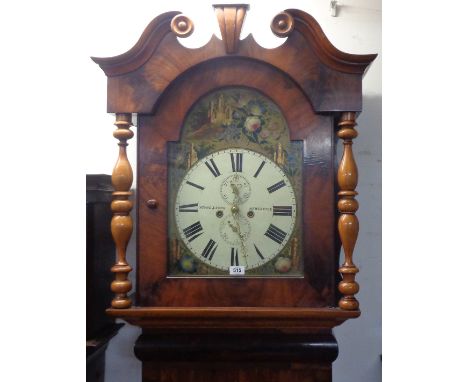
point(242, 207)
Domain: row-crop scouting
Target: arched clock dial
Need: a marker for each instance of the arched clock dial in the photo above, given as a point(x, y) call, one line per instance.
point(235, 207)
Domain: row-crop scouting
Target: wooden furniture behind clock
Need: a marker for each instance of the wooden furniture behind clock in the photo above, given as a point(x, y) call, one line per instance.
point(100, 250)
point(236, 172)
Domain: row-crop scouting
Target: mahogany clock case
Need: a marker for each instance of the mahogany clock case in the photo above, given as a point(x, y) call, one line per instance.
point(155, 131)
point(318, 90)
point(235, 184)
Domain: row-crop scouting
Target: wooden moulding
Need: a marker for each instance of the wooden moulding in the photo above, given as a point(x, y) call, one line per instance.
point(256, 347)
point(144, 48)
point(121, 223)
point(234, 318)
point(325, 50)
point(330, 78)
point(348, 224)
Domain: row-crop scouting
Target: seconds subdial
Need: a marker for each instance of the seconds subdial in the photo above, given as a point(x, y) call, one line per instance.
point(235, 189)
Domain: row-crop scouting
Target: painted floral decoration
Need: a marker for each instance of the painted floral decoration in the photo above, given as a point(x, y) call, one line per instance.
point(234, 117)
point(253, 124)
point(188, 264)
point(236, 114)
point(283, 264)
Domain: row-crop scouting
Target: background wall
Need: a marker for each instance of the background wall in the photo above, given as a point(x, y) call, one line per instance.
point(357, 29)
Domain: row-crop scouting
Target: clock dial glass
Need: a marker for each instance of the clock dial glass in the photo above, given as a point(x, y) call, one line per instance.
point(235, 190)
point(235, 207)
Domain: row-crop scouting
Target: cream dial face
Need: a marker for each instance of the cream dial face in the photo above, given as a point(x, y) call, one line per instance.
point(235, 207)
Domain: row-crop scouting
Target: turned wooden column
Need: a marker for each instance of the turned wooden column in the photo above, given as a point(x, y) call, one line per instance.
point(121, 224)
point(348, 223)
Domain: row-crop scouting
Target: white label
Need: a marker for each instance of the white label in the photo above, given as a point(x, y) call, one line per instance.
point(237, 270)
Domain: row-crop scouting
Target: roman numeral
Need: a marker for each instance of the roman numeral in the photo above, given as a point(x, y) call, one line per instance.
point(195, 185)
point(236, 162)
point(258, 252)
point(234, 257)
point(190, 208)
point(193, 231)
point(275, 234)
point(276, 186)
point(213, 168)
point(209, 250)
point(282, 211)
point(259, 169)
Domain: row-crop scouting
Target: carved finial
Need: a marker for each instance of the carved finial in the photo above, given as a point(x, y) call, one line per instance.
point(230, 19)
point(182, 26)
point(282, 24)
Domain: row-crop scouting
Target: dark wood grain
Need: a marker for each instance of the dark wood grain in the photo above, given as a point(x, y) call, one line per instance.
point(236, 357)
point(288, 319)
point(236, 347)
point(268, 372)
point(312, 82)
point(225, 329)
point(317, 288)
point(330, 78)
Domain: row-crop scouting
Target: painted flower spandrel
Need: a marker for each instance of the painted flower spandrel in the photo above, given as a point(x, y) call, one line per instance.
point(252, 124)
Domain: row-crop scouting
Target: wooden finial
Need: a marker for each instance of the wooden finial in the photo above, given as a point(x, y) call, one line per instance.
point(182, 26)
point(121, 224)
point(282, 24)
point(348, 224)
point(230, 19)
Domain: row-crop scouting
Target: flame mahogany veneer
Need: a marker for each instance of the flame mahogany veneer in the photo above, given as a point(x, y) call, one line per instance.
point(263, 329)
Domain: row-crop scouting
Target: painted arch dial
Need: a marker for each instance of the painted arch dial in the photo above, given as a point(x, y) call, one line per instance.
point(235, 207)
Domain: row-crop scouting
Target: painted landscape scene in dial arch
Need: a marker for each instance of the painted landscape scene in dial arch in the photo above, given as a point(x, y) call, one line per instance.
point(242, 118)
